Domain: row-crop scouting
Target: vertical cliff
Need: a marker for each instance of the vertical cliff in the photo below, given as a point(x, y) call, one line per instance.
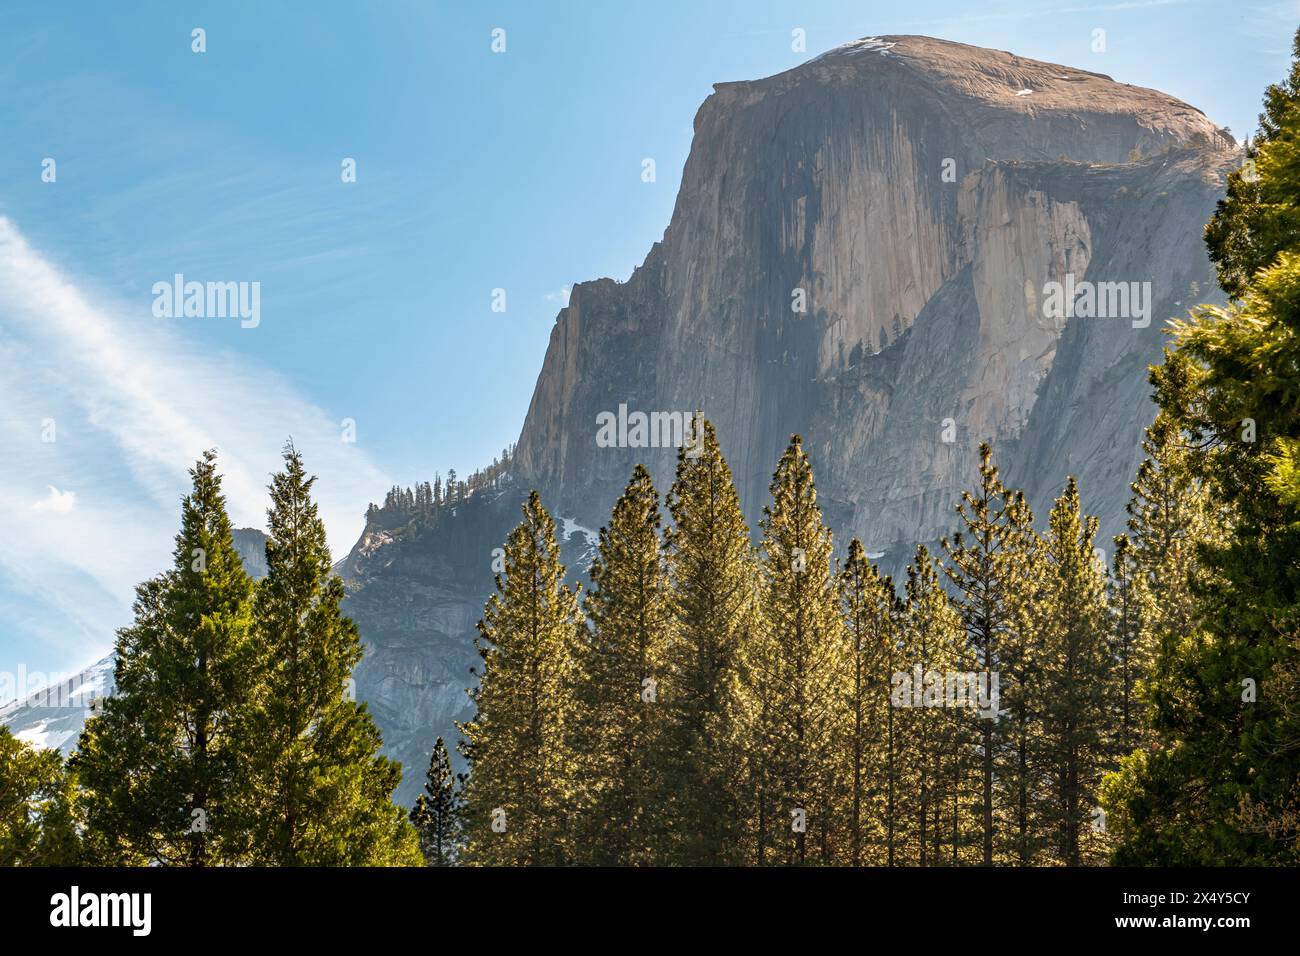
point(917, 195)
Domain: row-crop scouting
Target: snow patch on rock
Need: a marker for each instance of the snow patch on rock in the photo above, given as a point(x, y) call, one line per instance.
point(53, 716)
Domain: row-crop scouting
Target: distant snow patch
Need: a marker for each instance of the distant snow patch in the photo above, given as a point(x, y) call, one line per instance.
point(568, 528)
point(872, 44)
point(53, 716)
point(865, 45)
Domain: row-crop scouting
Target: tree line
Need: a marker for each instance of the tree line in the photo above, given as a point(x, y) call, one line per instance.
point(426, 500)
point(711, 701)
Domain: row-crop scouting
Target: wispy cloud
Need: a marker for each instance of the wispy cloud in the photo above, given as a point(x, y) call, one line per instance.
point(104, 398)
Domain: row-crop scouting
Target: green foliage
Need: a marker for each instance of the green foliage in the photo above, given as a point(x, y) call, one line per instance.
point(1077, 672)
point(1129, 607)
point(231, 739)
point(1259, 217)
point(934, 817)
point(989, 572)
point(714, 609)
point(37, 825)
point(436, 815)
point(161, 767)
point(1220, 784)
point(796, 666)
point(870, 610)
point(520, 792)
point(319, 792)
point(617, 737)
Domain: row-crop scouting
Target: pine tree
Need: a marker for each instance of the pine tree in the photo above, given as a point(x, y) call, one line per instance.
point(437, 812)
point(322, 792)
point(869, 608)
point(1130, 606)
point(931, 650)
point(160, 768)
point(37, 826)
point(797, 674)
point(711, 575)
point(987, 578)
point(1151, 598)
point(1077, 671)
point(618, 736)
point(519, 795)
point(1020, 769)
point(1170, 518)
point(1257, 218)
point(1226, 709)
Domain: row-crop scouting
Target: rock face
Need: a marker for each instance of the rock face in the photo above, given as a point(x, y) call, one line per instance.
point(916, 197)
point(416, 589)
point(923, 291)
point(251, 545)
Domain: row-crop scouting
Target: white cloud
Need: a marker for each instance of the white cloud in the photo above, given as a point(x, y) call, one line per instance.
point(133, 404)
point(57, 501)
point(559, 297)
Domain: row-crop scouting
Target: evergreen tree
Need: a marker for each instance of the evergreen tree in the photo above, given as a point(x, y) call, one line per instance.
point(322, 794)
point(618, 737)
point(1129, 605)
point(37, 826)
point(1258, 217)
point(797, 674)
point(519, 796)
point(436, 815)
point(160, 767)
point(931, 650)
point(1020, 769)
point(987, 578)
point(1170, 517)
point(869, 608)
point(1077, 671)
point(711, 575)
point(1226, 755)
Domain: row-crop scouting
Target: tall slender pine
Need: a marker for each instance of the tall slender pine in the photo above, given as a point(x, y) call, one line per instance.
point(520, 795)
point(322, 792)
point(436, 815)
point(617, 738)
point(799, 671)
point(711, 574)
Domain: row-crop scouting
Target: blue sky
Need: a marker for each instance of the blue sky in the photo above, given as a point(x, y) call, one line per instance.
point(475, 171)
